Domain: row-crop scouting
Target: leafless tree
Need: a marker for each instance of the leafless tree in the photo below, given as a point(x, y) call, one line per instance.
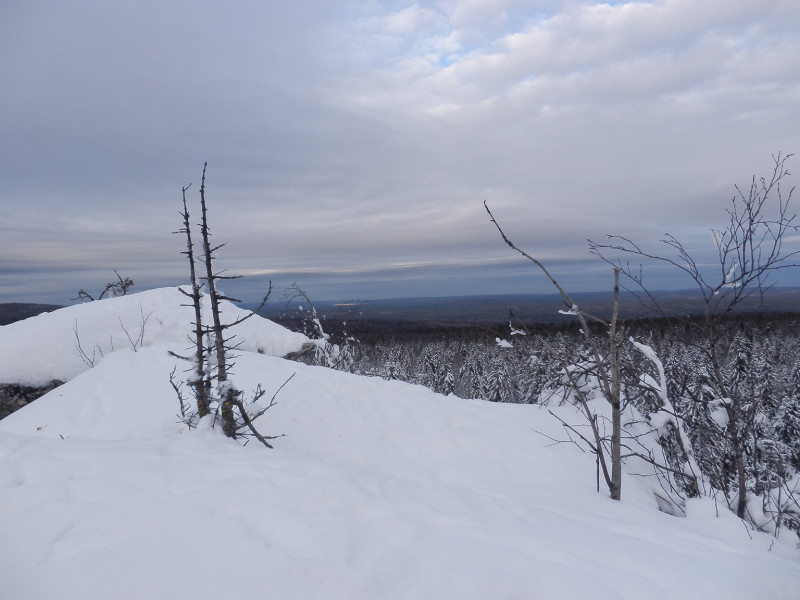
point(112, 289)
point(333, 351)
point(200, 379)
point(221, 345)
point(749, 251)
point(602, 365)
point(136, 341)
point(215, 338)
point(312, 326)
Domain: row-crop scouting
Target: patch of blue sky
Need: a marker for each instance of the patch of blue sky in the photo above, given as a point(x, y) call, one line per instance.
point(622, 2)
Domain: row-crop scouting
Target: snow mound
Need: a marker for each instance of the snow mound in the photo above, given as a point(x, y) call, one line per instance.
point(40, 349)
point(380, 489)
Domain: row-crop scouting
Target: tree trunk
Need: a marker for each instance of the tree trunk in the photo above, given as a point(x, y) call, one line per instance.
point(227, 404)
point(616, 416)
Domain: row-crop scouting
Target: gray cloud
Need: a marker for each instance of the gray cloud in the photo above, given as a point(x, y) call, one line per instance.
point(352, 144)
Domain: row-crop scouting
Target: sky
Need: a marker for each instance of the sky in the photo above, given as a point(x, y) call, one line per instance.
point(351, 144)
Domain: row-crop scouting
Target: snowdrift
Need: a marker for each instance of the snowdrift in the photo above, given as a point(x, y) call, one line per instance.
point(40, 349)
point(379, 489)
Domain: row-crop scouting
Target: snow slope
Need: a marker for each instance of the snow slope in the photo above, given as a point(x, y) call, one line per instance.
point(40, 349)
point(378, 490)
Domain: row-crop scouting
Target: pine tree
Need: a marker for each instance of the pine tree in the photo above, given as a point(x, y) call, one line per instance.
point(787, 426)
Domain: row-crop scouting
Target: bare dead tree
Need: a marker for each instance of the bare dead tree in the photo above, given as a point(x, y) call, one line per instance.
point(112, 289)
point(178, 387)
point(214, 340)
point(312, 326)
point(749, 251)
point(333, 350)
point(88, 360)
point(248, 420)
point(604, 365)
point(136, 341)
point(199, 381)
point(229, 393)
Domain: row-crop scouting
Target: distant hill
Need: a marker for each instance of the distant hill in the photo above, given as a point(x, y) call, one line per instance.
point(449, 311)
point(11, 312)
point(542, 308)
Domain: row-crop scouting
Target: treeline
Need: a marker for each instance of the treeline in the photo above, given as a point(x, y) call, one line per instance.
point(11, 312)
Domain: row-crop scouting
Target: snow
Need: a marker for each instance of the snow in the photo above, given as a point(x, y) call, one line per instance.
point(379, 489)
point(502, 343)
point(43, 348)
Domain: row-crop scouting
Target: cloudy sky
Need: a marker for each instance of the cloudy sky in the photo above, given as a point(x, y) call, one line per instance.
point(351, 143)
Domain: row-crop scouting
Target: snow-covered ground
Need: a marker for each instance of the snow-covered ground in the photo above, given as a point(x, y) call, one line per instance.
point(378, 490)
point(50, 346)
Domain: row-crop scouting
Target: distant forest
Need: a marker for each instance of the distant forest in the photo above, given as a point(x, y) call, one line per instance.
point(446, 313)
point(11, 312)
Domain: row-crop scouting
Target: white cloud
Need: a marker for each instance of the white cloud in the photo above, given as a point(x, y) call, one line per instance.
point(634, 49)
point(370, 132)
